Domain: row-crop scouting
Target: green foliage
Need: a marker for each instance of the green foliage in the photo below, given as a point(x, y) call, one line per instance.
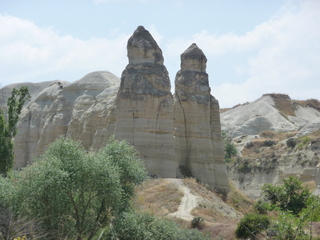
point(196, 222)
point(312, 211)
point(230, 149)
point(303, 141)
point(289, 227)
point(291, 143)
point(292, 196)
point(8, 128)
point(251, 225)
point(144, 226)
point(268, 143)
point(73, 192)
point(262, 207)
point(245, 166)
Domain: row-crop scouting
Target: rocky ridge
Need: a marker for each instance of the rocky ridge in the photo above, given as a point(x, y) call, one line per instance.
point(274, 112)
point(138, 108)
point(276, 137)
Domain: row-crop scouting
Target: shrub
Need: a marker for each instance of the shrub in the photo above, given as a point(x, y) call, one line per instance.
point(262, 207)
point(268, 143)
point(230, 149)
point(251, 225)
point(132, 225)
point(292, 196)
point(196, 222)
point(75, 193)
point(291, 143)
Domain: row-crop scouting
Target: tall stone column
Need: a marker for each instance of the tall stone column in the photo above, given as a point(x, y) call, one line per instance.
point(197, 130)
point(144, 105)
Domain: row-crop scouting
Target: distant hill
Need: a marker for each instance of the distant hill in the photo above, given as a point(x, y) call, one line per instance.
point(274, 112)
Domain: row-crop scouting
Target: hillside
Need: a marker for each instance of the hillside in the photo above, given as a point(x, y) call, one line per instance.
point(186, 200)
point(274, 112)
point(276, 137)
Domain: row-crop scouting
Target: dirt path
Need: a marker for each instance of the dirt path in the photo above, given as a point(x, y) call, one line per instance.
point(188, 202)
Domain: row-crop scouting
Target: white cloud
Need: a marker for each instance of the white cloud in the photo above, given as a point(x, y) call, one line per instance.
point(28, 52)
point(280, 55)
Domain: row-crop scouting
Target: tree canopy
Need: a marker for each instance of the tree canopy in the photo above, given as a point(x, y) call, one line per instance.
point(8, 126)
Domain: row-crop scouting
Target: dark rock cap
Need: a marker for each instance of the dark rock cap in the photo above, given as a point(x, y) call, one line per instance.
point(142, 48)
point(193, 59)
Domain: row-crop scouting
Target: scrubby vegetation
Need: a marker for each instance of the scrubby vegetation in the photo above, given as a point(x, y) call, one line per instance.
point(285, 212)
point(69, 193)
point(230, 149)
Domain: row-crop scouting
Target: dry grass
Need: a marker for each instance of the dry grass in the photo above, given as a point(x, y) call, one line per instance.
point(235, 199)
point(315, 134)
point(282, 103)
point(238, 200)
point(222, 231)
point(258, 149)
point(313, 103)
point(158, 196)
point(200, 189)
point(277, 136)
point(222, 110)
point(311, 185)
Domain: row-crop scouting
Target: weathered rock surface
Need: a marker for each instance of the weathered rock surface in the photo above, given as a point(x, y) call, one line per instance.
point(34, 89)
point(275, 112)
point(76, 110)
point(273, 164)
point(198, 144)
point(139, 109)
point(144, 105)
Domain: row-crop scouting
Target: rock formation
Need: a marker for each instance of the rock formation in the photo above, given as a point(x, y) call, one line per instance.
point(199, 148)
point(274, 112)
point(78, 110)
point(145, 105)
point(174, 135)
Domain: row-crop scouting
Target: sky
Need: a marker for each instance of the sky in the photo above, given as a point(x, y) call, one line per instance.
point(253, 47)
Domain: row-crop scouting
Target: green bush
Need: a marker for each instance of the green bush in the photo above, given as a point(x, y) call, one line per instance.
point(196, 222)
point(289, 227)
point(268, 143)
point(291, 143)
point(230, 149)
point(144, 226)
point(292, 196)
point(251, 225)
point(74, 193)
point(262, 207)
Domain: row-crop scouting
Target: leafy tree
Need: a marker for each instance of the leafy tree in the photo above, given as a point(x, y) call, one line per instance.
point(230, 149)
point(8, 128)
point(290, 227)
point(251, 225)
point(291, 196)
point(73, 192)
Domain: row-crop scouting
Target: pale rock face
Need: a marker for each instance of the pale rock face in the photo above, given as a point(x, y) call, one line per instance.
point(142, 48)
point(199, 148)
point(171, 135)
point(80, 110)
point(144, 105)
point(261, 115)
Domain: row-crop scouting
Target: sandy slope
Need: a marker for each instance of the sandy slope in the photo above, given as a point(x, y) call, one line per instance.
point(188, 202)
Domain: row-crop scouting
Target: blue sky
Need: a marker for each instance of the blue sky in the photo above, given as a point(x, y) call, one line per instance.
point(252, 46)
